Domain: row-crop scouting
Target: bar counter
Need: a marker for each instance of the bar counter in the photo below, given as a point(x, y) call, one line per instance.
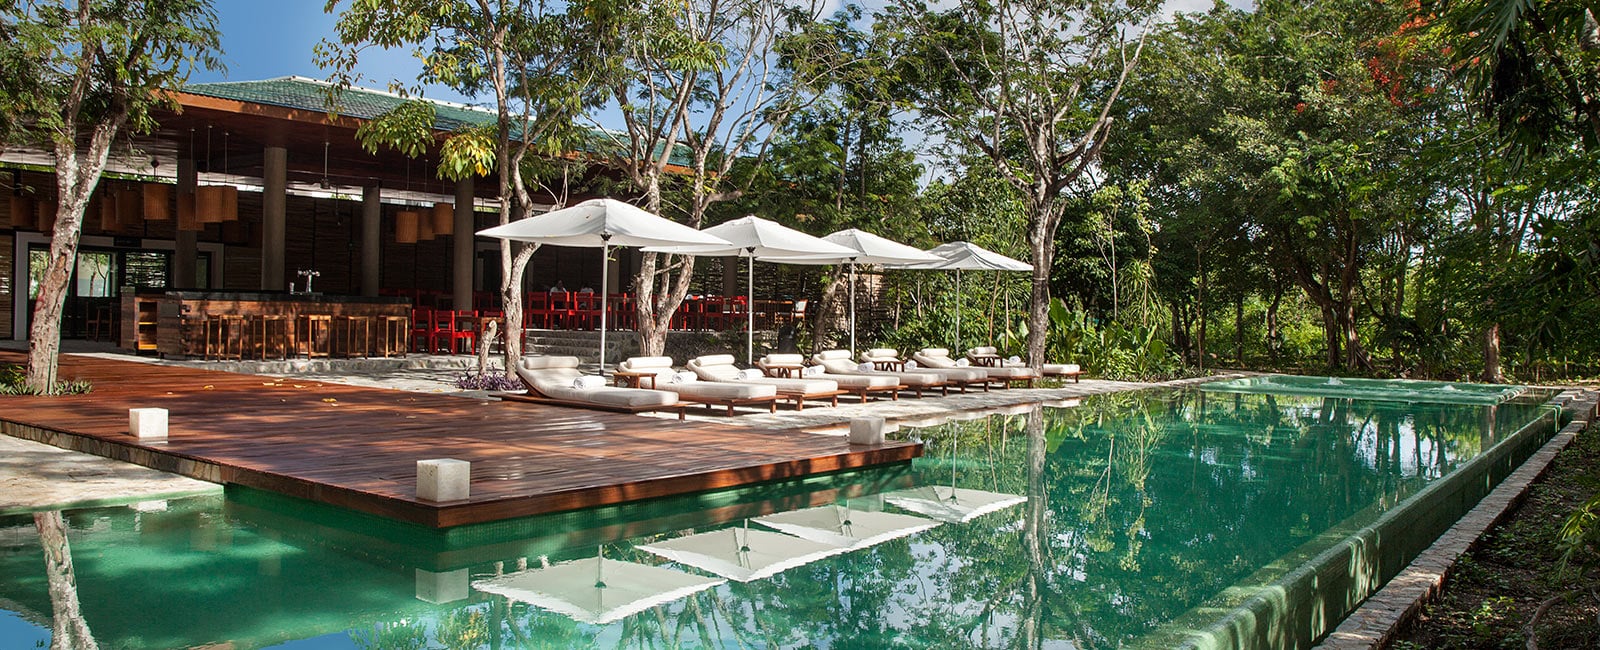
point(175, 323)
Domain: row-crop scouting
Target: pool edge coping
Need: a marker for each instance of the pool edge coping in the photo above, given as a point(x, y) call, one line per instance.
point(1381, 615)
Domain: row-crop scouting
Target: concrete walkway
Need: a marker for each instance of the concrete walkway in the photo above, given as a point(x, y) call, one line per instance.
point(35, 476)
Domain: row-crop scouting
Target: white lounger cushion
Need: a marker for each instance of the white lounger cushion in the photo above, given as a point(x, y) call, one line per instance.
point(717, 390)
point(1060, 368)
point(719, 367)
point(938, 360)
point(1009, 372)
point(858, 382)
point(837, 363)
point(983, 350)
point(552, 377)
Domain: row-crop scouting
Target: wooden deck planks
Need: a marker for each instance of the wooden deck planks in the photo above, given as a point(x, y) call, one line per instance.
point(357, 447)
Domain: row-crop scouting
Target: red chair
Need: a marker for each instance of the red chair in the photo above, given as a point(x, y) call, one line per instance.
point(452, 328)
point(421, 330)
point(538, 313)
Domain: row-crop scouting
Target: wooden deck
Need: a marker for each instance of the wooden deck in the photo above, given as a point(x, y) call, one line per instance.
point(357, 447)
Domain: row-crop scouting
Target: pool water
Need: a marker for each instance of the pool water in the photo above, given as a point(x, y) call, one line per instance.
point(1097, 525)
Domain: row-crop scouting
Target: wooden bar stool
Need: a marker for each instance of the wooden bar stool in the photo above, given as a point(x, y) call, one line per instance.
point(356, 335)
point(271, 332)
point(224, 337)
point(314, 335)
point(392, 332)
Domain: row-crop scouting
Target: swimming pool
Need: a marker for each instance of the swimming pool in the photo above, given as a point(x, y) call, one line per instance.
point(1127, 519)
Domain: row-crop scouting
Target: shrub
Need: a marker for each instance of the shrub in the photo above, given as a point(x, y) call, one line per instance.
point(14, 381)
point(489, 381)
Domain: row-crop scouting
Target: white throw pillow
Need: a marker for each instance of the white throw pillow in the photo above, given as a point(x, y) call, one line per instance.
point(911, 364)
point(962, 363)
point(1014, 359)
point(588, 382)
point(864, 367)
point(811, 371)
point(683, 377)
point(750, 373)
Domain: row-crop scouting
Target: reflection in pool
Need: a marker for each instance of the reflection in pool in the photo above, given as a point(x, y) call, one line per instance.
point(1095, 524)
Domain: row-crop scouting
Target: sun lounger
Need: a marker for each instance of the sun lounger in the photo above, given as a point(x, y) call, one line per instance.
point(550, 381)
point(1062, 370)
point(837, 363)
point(703, 392)
point(985, 358)
point(719, 367)
point(989, 356)
point(960, 377)
point(861, 385)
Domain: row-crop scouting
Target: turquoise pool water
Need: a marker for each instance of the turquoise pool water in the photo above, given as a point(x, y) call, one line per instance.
point(1110, 523)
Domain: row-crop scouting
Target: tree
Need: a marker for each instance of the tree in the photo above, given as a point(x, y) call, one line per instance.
point(78, 75)
point(1029, 84)
point(710, 82)
point(544, 66)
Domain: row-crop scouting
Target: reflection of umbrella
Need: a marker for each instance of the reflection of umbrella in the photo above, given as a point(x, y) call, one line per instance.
point(743, 554)
point(845, 527)
point(962, 255)
point(596, 590)
point(755, 238)
point(869, 249)
point(952, 504)
point(602, 223)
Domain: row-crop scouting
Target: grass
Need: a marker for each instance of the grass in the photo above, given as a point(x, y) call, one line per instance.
point(1516, 567)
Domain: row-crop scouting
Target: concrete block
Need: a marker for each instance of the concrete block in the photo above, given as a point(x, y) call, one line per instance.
point(148, 424)
point(867, 431)
point(444, 479)
point(441, 588)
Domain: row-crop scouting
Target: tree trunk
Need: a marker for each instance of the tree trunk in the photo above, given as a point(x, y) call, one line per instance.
point(511, 296)
point(76, 178)
point(1043, 243)
point(1238, 330)
point(69, 629)
point(828, 311)
point(1330, 334)
point(1200, 312)
point(1491, 355)
point(1272, 323)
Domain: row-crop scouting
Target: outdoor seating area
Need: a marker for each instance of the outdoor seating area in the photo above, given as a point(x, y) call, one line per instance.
point(657, 383)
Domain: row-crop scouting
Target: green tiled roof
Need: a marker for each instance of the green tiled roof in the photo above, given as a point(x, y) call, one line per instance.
point(305, 94)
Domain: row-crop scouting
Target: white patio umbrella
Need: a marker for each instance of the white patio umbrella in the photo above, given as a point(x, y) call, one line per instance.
point(844, 526)
point(596, 590)
point(602, 223)
point(959, 256)
point(869, 249)
point(754, 238)
point(743, 554)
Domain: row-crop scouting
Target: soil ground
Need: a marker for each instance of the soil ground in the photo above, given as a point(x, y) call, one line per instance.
point(1496, 588)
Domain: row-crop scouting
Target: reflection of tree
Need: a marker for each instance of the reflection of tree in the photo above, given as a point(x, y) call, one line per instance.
point(69, 630)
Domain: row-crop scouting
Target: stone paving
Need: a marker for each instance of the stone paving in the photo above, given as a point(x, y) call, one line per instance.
point(36, 476)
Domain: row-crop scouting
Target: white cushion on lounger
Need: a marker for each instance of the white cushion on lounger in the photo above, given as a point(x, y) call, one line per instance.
point(683, 377)
point(552, 377)
point(1009, 372)
point(983, 350)
point(1060, 368)
point(858, 382)
point(831, 355)
point(877, 354)
point(719, 367)
point(837, 362)
point(645, 364)
point(801, 386)
point(723, 390)
point(786, 359)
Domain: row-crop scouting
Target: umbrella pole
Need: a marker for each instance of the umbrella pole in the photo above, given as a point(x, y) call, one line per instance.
point(750, 308)
point(958, 312)
point(605, 270)
point(852, 308)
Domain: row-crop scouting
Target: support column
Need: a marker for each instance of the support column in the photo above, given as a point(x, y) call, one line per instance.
point(371, 240)
point(186, 245)
point(463, 247)
point(274, 217)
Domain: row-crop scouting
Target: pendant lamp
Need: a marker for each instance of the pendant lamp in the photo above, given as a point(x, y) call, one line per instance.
point(157, 198)
point(21, 211)
point(444, 218)
point(405, 227)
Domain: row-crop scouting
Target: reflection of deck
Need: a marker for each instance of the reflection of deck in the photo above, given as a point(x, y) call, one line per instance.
point(357, 447)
